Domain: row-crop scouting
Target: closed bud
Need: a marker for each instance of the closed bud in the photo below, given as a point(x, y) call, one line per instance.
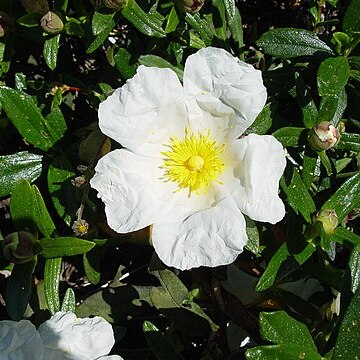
point(329, 220)
point(51, 23)
point(115, 4)
point(323, 136)
point(18, 247)
point(5, 24)
point(190, 6)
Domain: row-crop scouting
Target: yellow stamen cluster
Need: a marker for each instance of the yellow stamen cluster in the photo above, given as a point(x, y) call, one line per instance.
point(193, 162)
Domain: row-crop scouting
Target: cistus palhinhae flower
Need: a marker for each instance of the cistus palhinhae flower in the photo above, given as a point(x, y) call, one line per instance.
point(184, 168)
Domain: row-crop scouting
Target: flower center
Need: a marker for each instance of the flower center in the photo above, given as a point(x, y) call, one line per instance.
point(193, 162)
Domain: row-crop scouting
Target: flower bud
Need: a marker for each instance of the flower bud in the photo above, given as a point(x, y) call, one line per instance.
point(51, 23)
point(323, 136)
point(18, 247)
point(190, 6)
point(5, 24)
point(329, 220)
point(115, 4)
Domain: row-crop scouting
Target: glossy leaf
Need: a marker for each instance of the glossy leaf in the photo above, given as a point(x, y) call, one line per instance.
point(235, 26)
point(289, 136)
point(149, 24)
point(50, 51)
point(64, 246)
point(279, 328)
point(348, 341)
point(102, 19)
point(159, 344)
point(201, 27)
point(52, 273)
point(288, 43)
point(18, 289)
point(172, 21)
point(349, 141)
point(346, 197)
point(351, 20)
point(123, 63)
point(333, 75)
point(354, 266)
point(21, 165)
point(69, 302)
point(262, 123)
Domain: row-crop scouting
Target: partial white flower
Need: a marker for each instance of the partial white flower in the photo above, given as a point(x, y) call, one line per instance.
point(67, 337)
point(183, 167)
point(20, 341)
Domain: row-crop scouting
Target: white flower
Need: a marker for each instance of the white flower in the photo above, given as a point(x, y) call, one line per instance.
point(67, 337)
point(62, 337)
point(183, 168)
point(20, 341)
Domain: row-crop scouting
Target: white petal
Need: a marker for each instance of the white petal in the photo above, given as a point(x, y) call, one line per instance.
point(222, 92)
point(144, 113)
point(67, 337)
point(130, 185)
point(20, 341)
point(210, 237)
point(260, 163)
point(110, 357)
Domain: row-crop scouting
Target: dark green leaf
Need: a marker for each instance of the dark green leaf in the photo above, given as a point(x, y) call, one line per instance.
point(326, 162)
point(279, 328)
point(289, 136)
point(64, 246)
point(351, 20)
point(235, 26)
point(148, 24)
point(56, 124)
point(122, 63)
point(349, 141)
point(342, 234)
point(157, 61)
point(172, 21)
point(159, 343)
point(346, 197)
point(26, 117)
point(91, 260)
point(18, 289)
point(42, 217)
point(95, 42)
point(50, 52)
point(69, 303)
point(22, 206)
point(21, 165)
point(201, 27)
point(102, 20)
point(332, 107)
point(281, 352)
point(309, 168)
point(52, 273)
point(219, 19)
point(262, 122)
point(230, 8)
point(348, 341)
point(288, 43)
point(354, 266)
point(29, 20)
point(333, 75)
point(252, 232)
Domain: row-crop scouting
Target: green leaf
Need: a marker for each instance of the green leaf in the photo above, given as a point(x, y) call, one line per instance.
point(69, 302)
point(342, 234)
point(91, 261)
point(288, 43)
point(309, 167)
point(122, 62)
point(52, 273)
point(348, 341)
point(218, 18)
point(157, 61)
point(18, 289)
point(22, 207)
point(56, 124)
point(332, 107)
point(148, 24)
point(172, 21)
point(289, 136)
point(346, 198)
point(281, 352)
point(325, 161)
point(159, 343)
point(93, 42)
point(26, 117)
point(263, 121)
point(21, 165)
point(279, 328)
point(29, 20)
point(50, 51)
point(62, 192)
point(252, 232)
point(230, 8)
point(333, 75)
point(298, 196)
point(235, 26)
point(351, 20)
point(64, 246)
point(349, 141)
point(200, 26)
point(102, 20)
point(42, 217)
point(306, 103)
point(354, 266)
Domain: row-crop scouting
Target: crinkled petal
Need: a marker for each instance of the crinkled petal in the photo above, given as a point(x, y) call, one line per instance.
point(110, 357)
point(210, 237)
point(130, 185)
point(259, 164)
point(67, 337)
point(144, 113)
point(223, 93)
point(20, 341)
